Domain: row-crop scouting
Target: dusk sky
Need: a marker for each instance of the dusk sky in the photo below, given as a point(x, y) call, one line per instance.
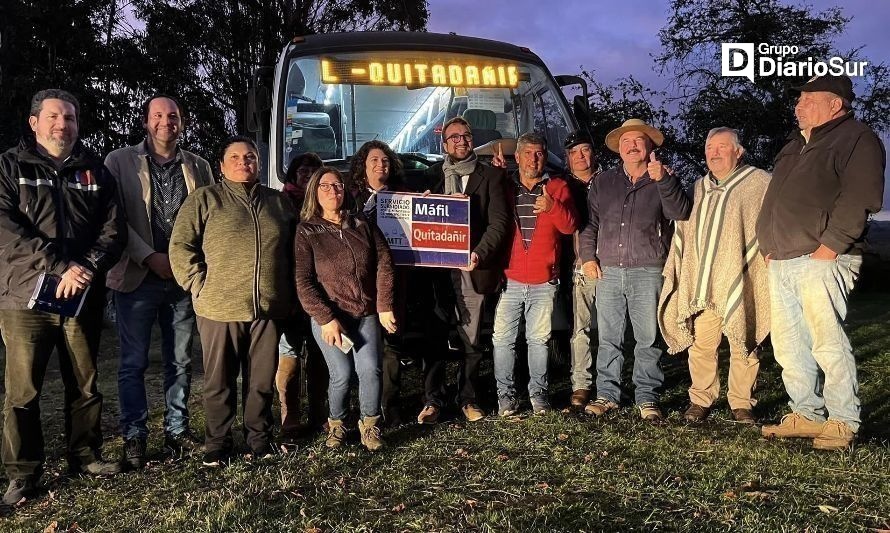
point(616, 38)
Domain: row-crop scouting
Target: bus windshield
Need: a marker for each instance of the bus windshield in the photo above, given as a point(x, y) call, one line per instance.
point(334, 103)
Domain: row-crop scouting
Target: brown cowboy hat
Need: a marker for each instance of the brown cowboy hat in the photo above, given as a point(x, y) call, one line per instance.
point(633, 124)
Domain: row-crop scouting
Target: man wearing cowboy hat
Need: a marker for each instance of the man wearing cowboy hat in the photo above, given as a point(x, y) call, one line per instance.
point(625, 245)
point(812, 224)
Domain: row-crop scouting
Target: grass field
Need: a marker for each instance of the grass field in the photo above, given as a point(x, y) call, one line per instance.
point(558, 472)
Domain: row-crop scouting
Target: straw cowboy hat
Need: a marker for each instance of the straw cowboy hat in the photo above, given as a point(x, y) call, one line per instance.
point(633, 124)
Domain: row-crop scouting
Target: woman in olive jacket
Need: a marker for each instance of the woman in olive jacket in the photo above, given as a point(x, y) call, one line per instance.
point(344, 278)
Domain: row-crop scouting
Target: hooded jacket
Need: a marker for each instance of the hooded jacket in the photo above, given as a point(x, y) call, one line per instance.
point(51, 216)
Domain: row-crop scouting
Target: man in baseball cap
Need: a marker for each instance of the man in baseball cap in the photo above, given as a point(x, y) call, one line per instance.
point(812, 224)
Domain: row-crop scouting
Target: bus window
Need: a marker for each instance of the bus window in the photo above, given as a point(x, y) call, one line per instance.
point(337, 102)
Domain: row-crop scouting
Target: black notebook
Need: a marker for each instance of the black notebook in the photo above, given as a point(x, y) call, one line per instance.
point(44, 297)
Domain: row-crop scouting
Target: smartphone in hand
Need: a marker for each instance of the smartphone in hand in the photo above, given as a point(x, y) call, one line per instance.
point(346, 343)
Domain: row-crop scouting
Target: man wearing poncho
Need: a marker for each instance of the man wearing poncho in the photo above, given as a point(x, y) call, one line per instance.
point(716, 281)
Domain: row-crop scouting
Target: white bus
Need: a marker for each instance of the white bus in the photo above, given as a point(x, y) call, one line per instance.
point(331, 93)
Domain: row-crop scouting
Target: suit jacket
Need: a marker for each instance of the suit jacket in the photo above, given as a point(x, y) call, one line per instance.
point(130, 166)
point(490, 223)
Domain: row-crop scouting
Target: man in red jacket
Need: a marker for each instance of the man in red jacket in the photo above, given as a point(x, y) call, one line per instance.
point(544, 212)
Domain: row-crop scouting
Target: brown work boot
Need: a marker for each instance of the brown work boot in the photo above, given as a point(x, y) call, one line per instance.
point(696, 413)
point(600, 406)
point(835, 435)
point(369, 431)
point(744, 416)
point(580, 398)
point(336, 434)
point(287, 381)
point(472, 412)
point(429, 415)
point(793, 425)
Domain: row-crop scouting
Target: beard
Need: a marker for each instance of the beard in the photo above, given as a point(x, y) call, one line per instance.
point(62, 142)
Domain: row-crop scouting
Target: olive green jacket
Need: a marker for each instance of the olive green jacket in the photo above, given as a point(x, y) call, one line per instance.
point(233, 250)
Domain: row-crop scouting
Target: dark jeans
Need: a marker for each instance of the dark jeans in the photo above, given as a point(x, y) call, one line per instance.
point(469, 307)
point(30, 338)
point(137, 311)
point(250, 348)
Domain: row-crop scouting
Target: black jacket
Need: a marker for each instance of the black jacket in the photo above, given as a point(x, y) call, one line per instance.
point(823, 190)
point(491, 220)
point(49, 217)
point(630, 225)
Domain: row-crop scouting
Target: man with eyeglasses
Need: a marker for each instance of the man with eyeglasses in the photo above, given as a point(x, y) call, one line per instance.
point(462, 173)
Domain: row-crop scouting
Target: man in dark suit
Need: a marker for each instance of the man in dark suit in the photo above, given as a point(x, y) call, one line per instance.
point(490, 217)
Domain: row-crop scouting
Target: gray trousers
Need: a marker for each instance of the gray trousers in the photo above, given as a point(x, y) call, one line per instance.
point(583, 330)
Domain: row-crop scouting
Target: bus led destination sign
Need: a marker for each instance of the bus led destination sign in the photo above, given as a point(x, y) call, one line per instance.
point(419, 73)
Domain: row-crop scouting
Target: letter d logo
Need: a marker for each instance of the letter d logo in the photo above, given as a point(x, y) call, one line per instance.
point(737, 59)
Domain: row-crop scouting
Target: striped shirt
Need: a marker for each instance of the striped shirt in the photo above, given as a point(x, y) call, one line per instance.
point(168, 191)
point(525, 205)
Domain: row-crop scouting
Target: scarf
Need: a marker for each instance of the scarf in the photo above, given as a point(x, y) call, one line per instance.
point(455, 170)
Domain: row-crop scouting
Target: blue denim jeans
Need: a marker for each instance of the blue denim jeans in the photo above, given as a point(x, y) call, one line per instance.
point(621, 293)
point(808, 299)
point(165, 302)
point(535, 303)
point(363, 363)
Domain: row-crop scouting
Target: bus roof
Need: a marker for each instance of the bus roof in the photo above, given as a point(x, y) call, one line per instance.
point(405, 40)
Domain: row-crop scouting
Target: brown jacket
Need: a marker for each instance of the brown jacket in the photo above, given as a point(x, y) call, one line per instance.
point(342, 270)
point(130, 166)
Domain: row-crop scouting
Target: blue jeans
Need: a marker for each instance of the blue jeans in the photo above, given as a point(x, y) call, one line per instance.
point(620, 293)
point(535, 302)
point(363, 362)
point(165, 302)
point(808, 300)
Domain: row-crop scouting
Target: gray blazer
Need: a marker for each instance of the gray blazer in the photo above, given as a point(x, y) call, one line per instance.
point(130, 166)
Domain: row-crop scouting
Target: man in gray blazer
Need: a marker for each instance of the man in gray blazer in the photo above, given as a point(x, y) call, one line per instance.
point(154, 178)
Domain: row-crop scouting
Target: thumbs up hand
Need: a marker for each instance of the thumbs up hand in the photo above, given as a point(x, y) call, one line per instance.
point(655, 168)
point(543, 203)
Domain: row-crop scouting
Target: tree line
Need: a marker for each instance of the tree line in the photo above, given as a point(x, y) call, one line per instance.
point(115, 53)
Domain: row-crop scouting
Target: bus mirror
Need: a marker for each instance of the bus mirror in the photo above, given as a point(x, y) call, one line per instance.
point(581, 108)
point(259, 102)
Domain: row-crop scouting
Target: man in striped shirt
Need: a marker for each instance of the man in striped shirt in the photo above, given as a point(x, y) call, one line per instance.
point(544, 213)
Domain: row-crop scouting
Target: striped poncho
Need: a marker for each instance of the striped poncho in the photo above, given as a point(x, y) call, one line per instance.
point(714, 263)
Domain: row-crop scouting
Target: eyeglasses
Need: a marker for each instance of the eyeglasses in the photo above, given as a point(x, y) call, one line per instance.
point(326, 187)
point(468, 137)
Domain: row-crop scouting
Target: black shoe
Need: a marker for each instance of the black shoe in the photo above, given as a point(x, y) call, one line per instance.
point(20, 490)
point(99, 467)
point(182, 443)
point(263, 452)
point(134, 453)
point(217, 458)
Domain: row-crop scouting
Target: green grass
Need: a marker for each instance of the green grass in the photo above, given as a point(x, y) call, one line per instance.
point(559, 472)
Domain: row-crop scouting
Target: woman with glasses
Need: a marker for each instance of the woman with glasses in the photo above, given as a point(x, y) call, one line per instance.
point(345, 283)
point(232, 248)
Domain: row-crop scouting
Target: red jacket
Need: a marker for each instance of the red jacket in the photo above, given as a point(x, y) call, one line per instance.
point(540, 262)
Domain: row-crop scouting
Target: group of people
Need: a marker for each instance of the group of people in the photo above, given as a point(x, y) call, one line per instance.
point(277, 281)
